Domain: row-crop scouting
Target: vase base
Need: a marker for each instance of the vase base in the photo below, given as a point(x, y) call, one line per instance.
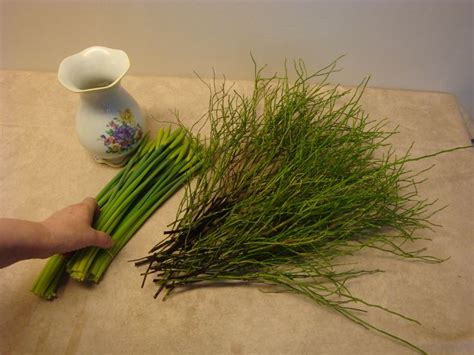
point(115, 163)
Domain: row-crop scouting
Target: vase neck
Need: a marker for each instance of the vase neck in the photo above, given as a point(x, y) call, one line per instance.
point(102, 95)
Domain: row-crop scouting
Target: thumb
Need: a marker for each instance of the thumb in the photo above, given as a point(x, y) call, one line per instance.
point(102, 240)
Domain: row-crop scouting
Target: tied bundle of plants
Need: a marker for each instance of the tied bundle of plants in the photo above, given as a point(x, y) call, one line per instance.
point(295, 179)
point(157, 170)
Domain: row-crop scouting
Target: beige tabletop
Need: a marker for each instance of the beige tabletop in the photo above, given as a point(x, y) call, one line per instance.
point(43, 168)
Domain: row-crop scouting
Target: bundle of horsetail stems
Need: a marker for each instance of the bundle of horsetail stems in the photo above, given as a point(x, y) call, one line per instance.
point(157, 170)
point(295, 179)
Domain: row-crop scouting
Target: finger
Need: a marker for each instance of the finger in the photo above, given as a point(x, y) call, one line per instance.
point(92, 207)
point(102, 240)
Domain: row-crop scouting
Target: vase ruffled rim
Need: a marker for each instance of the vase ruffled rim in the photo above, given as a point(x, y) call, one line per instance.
point(93, 69)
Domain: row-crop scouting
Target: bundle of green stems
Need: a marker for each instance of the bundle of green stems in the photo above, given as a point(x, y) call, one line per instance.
point(295, 179)
point(157, 170)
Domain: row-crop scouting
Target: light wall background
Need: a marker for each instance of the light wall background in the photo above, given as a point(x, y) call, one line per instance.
point(406, 44)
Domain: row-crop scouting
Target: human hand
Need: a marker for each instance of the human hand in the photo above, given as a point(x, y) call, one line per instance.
point(70, 228)
point(64, 231)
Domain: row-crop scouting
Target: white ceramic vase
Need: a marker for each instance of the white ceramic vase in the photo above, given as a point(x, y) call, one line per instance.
point(109, 122)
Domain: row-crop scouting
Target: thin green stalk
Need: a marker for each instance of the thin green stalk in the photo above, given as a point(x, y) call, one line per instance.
point(164, 156)
point(126, 199)
point(117, 181)
point(47, 282)
point(104, 258)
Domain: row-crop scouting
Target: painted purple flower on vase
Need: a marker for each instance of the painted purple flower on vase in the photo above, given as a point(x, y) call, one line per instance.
point(122, 133)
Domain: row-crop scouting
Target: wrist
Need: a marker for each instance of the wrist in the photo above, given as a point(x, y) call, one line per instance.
point(46, 245)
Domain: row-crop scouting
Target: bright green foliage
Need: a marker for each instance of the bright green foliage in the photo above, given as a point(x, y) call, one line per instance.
point(295, 179)
point(157, 170)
